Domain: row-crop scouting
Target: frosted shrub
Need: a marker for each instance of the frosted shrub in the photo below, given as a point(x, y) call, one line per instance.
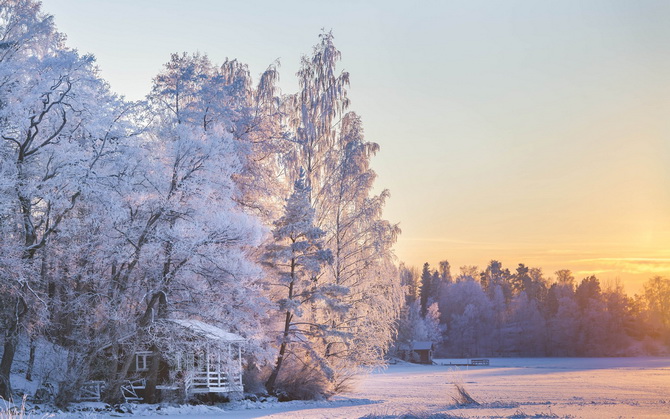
point(302, 380)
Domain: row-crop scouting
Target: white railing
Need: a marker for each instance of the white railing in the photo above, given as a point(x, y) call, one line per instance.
point(212, 382)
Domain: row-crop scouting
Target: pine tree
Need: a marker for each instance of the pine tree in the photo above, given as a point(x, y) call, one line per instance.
point(426, 287)
point(298, 255)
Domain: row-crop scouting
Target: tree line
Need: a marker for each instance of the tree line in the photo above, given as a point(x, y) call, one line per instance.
point(498, 312)
point(218, 198)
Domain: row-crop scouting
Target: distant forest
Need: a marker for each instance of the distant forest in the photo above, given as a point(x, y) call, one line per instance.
point(498, 312)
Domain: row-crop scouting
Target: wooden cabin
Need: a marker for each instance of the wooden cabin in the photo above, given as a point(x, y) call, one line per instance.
point(211, 364)
point(418, 352)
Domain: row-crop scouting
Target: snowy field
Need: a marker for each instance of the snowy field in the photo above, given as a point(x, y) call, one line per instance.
point(508, 388)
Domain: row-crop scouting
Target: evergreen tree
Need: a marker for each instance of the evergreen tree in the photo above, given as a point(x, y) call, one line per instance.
point(521, 280)
point(587, 291)
point(298, 255)
point(426, 287)
point(495, 275)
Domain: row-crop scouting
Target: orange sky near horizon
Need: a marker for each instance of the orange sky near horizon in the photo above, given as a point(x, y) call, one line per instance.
point(596, 202)
point(604, 211)
point(633, 272)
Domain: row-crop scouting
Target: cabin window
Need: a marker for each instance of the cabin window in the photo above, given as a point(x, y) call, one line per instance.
point(142, 361)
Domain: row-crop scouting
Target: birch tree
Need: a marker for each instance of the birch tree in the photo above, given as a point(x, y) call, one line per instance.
point(330, 145)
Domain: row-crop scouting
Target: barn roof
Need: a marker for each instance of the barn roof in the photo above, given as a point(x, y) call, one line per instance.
point(209, 331)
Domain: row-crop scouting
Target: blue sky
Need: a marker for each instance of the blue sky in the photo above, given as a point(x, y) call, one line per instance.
point(523, 131)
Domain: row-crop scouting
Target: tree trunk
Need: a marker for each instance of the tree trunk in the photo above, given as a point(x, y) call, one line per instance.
point(272, 380)
point(270, 384)
point(31, 361)
point(11, 342)
point(113, 392)
point(150, 392)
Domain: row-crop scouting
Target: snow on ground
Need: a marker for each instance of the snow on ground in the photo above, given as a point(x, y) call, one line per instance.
point(509, 387)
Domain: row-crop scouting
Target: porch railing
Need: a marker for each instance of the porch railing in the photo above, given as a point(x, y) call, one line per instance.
point(212, 382)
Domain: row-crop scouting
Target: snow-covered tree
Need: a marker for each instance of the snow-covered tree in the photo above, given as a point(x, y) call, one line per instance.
point(469, 320)
point(298, 255)
point(360, 240)
point(186, 241)
point(432, 321)
point(117, 216)
point(563, 326)
point(621, 326)
point(657, 297)
point(329, 144)
point(524, 331)
point(412, 326)
point(314, 113)
point(59, 125)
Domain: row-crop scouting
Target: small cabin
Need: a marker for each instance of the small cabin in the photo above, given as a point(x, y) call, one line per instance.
point(209, 361)
point(418, 352)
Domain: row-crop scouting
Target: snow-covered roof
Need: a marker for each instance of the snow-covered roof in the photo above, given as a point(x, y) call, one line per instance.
point(209, 331)
point(416, 346)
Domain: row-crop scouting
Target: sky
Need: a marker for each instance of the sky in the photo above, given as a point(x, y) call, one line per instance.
point(532, 132)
